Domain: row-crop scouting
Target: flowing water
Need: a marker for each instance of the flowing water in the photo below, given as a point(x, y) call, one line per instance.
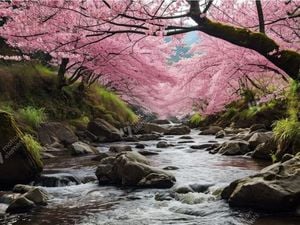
point(90, 203)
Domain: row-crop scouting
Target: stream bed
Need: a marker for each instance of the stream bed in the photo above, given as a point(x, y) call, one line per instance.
point(89, 203)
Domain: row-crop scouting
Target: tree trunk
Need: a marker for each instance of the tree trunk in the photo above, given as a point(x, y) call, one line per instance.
point(287, 60)
point(61, 80)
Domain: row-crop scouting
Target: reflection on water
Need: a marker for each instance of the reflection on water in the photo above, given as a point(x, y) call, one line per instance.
point(92, 204)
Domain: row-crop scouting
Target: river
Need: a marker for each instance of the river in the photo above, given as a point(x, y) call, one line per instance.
point(90, 203)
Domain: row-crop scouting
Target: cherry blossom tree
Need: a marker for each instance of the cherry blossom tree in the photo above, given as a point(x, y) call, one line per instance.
point(119, 42)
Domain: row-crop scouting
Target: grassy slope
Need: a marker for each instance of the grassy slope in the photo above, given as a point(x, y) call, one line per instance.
point(26, 84)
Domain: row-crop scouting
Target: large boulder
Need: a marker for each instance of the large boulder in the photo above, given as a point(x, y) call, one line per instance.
point(265, 150)
point(149, 128)
point(275, 188)
point(258, 138)
point(212, 130)
point(19, 161)
point(52, 132)
point(104, 130)
point(234, 148)
point(132, 169)
point(178, 130)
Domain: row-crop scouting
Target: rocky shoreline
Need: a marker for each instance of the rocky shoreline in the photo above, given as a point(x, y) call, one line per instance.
point(275, 188)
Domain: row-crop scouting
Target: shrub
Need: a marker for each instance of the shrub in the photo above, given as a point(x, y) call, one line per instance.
point(195, 119)
point(33, 116)
point(286, 130)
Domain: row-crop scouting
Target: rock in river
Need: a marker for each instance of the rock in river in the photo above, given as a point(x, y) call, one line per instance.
point(276, 188)
point(132, 169)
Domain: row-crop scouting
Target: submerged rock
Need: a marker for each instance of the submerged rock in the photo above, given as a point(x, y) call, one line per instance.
point(140, 146)
point(56, 180)
point(162, 144)
point(19, 162)
point(275, 188)
point(132, 169)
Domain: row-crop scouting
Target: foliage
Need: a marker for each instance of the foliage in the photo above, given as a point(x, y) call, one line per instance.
point(33, 116)
point(113, 104)
point(196, 119)
point(34, 148)
point(126, 50)
point(286, 130)
point(26, 88)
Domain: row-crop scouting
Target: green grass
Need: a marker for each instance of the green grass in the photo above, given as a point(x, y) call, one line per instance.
point(24, 84)
point(286, 130)
point(196, 119)
point(112, 104)
point(33, 116)
point(33, 147)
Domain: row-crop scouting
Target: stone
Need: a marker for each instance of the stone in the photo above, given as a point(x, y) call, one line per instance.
point(133, 169)
point(22, 188)
point(212, 130)
point(178, 130)
point(80, 148)
point(148, 137)
point(258, 138)
point(161, 121)
point(171, 168)
point(162, 144)
point(20, 205)
point(185, 137)
point(202, 146)
point(149, 128)
point(37, 196)
point(19, 163)
point(234, 148)
point(120, 148)
point(220, 134)
point(265, 150)
point(57, 180)
point(104, 130)
point(140, 146)
point(147, 153)
point(276, 188)
point(256, 127)
point(51, 132)
point(100, 156)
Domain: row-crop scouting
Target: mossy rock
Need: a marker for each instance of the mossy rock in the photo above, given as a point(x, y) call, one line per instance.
point(19, 159)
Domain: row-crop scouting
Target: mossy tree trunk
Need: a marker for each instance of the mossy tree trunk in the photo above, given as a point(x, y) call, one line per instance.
point(288, 61)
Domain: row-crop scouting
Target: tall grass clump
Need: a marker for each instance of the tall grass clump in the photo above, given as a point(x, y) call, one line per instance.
point(113, 104)
point(195, 119)
point(33, 116)
point(287, 131)
point(33, 147)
